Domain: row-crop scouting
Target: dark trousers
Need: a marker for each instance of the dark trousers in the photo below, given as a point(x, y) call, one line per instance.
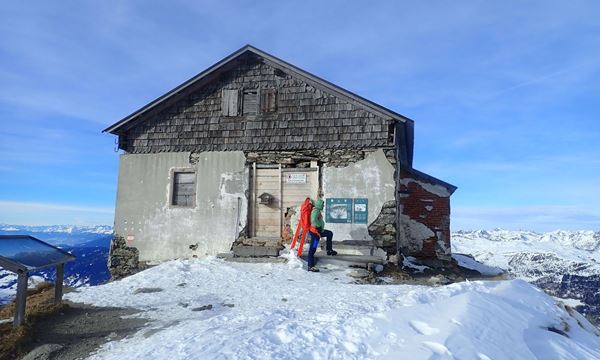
point(314, 244)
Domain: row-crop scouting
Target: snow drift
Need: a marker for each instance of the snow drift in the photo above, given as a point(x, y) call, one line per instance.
point(211, 309)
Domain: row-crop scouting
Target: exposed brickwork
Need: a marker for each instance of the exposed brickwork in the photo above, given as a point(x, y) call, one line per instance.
point(430, 239)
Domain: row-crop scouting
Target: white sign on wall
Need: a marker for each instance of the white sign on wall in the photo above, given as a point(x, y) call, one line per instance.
point(295, 178)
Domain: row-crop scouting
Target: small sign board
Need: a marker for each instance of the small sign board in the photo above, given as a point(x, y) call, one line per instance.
point(295, 178)
point(338, 210)
point(361, 210)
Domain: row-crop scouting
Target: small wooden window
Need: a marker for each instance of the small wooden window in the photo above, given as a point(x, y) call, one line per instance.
point(391, 133)
point(268, 100)
point(250, 102)
point(184, 189)
point(229, 103)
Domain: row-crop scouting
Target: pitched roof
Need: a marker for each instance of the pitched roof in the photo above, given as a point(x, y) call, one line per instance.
point(274, 61)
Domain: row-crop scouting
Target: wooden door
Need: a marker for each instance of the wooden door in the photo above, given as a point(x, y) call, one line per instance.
point(267, 213)
point(274, 190)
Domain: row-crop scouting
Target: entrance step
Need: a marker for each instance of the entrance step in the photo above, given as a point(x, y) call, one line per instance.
point(352, 247)
point(261, 241)
point(255, 251)
point(346, 260)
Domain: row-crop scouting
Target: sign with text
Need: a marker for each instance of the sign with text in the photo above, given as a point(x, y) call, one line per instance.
point(361, 210)
point(338, 210)
point(295, 178)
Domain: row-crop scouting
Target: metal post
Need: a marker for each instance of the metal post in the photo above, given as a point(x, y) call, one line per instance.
point(58, 283)
point(21, 300)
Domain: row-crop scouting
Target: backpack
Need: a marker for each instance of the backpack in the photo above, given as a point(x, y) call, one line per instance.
point(304, 224)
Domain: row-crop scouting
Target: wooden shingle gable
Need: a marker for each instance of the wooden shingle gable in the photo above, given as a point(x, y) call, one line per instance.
point(293, 112)
point(281, 66)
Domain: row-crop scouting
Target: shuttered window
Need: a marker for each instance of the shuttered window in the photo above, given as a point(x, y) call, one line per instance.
point(268, 100)
point(250, 102)
point(229, 102)
point(184, 189)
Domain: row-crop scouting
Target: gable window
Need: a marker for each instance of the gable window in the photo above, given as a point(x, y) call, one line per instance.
point(268, 100)
point(184, 189)
point(250, 102)
point(391, 133)
point(229, 102)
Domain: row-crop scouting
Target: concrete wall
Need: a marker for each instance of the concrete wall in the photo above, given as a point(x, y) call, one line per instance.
point(371, 178)
point(145, 218)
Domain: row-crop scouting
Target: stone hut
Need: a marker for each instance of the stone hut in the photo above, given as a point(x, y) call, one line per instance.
point(226, 158)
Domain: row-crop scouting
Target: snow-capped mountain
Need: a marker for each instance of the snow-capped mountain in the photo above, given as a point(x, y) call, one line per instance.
point(68, 229)
point(564, 263)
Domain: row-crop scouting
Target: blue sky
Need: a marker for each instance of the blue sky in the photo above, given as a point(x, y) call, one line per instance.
point(505, 95)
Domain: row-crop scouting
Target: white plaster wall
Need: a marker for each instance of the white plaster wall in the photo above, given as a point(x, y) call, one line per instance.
point(161, 231)
point(371, 178)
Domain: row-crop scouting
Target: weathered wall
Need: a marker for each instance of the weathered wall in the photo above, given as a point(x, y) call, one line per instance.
point(371, 178)
point(306, 117)
point(425, 217)
point(145, 218)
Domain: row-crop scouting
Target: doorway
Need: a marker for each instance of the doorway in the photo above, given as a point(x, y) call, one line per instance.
point(275, 190)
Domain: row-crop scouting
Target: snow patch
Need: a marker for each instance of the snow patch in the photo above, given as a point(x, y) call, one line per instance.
point(438, 190)
point(472, 264)
point(416, 230)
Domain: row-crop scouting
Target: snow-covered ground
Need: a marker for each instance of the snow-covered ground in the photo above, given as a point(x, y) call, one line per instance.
point(565, 264)
point(211, 309)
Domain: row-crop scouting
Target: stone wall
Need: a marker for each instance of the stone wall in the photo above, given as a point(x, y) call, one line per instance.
point(302, 158)
point(383, 229)
point(123, 260)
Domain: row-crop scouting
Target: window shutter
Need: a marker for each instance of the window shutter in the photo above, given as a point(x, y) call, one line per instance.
point(184, 189)
point(250, 102)
point(229, 102)
point(268, 100)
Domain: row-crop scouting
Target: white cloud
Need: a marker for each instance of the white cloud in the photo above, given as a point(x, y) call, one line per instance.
point(33, 213)
point(537, 218)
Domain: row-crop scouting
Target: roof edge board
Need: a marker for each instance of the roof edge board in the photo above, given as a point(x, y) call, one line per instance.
point(287, 66)
point(330, 86)
point(447, 185)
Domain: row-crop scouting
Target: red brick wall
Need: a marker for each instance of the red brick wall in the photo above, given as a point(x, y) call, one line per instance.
point(425, 218)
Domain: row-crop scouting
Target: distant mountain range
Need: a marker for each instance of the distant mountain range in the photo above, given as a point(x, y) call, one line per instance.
point(67, 229)
point(566, 264)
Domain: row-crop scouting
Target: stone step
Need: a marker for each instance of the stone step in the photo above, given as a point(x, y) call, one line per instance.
point(347, 260)
point(255, 251)
point(351, 247)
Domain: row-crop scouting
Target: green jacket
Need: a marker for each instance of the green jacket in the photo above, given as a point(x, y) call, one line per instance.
point(316, 218)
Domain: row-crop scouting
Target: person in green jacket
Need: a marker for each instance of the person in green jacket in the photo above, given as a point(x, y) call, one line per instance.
point(316, 221)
